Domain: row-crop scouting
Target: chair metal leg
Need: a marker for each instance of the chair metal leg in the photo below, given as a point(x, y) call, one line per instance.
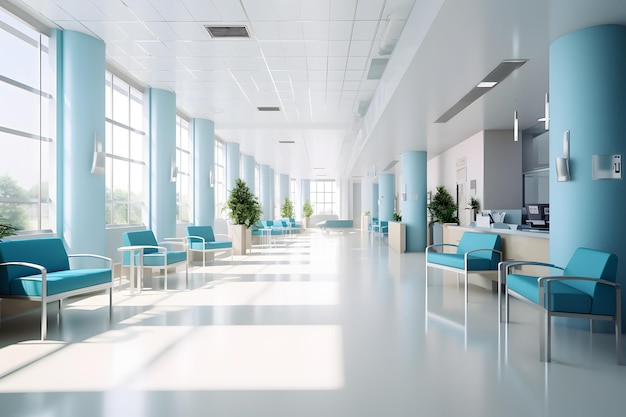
point(111, 304)
point(44, 319)
point(466, 290)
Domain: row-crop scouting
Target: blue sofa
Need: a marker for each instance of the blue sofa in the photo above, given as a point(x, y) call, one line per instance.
point(150, 254)
point(202, 239)
point(39, 270)
point(585, 289)
point(476, 253)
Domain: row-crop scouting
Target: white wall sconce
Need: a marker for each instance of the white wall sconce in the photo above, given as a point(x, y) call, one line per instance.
point(404, 193)
point(562, 162)
point(546, 113)
point(211, 179)
point(99, 157)
point(174, 171)
point(515, 126)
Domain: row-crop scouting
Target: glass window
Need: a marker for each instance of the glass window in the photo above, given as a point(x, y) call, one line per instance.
point(185, 168)
point(257, 180)
point(292, 195)
point(220, 180)
point(323, 198)
point(27, 130)
point(125, 143)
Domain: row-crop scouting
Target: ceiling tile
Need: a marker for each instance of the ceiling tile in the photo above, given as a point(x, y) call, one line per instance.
point(351, 85)
point(213, 76)
point(245, 64)
point(202, 64)
point(337, 62)
point(317, 75)
point(398, 9)
point(237, 48)
point(137, 31)
point(360, 48)
point(108, 31)
point(127, 62)
point(282, 86)
point(180, 48)
point(286, 10)
point(369, 85)
point(298, 75)
point(202, 10)
point(316, 48)
point(349, 96)
point(280, 75)
point(369, 10)
point(340, 30)
point(315, 31)
point(317, 63)
point(160, 63)
point(294, 48)
point(290, 31)
point(335, 75)
point(155, 48)
point(317, 85)
point(172, 10)
point(338, 48)
point(364, 30)
point(49, 10)
point(190, 31)
point(144, 10)
point(342, 9)
point(114, 10)
point(265, 31)
point(162, 30)
point(272, 49)
point(356, 63)
point(352, 75)
point(75, 26)
point(315, 10)
point(262, 77)
point(130, 48)
point(82, 10)
point(258, 10)
point(334, 85)
point(229, 10)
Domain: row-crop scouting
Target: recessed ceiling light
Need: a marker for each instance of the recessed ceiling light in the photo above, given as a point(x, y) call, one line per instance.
point(286, 141)
point(226, 31)
point(487, 84)
point(268, 108)
point(318, 168)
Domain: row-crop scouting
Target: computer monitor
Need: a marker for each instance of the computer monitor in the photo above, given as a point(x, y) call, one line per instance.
point(538, 215)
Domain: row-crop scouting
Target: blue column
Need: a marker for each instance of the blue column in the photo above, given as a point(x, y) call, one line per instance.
point(81, 101)
point(232, 165)
point(414, 170)
point(162, 152)
point(247, 171)
point(204, 169)
point(284, 188)
point(387, 192)
point(305, 194)
point(587, 90)
point(375, 208)
point(264, 192)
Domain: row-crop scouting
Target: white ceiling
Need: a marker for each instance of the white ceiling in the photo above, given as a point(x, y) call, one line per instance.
point(311, 58)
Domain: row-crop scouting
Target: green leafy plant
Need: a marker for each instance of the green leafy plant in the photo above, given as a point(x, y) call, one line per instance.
point(367, 213)
point(6, 229)
point(307, 209)
point(442, 207)
point(286, 210)
point(473, 204)
point(396, 217)
point(243, 206)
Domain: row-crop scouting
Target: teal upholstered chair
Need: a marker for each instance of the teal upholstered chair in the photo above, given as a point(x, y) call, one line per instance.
point(150, 254)
point(476, 253)
point(586, 288)
point(202, 239)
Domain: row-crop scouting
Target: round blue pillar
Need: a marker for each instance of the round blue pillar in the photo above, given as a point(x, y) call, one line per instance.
point(81, 100)
point(587, 90)
point(232, 165)
point(413, 192)
point(247, 171)
point(264, 193)
point(204, 171)
point(386, 195)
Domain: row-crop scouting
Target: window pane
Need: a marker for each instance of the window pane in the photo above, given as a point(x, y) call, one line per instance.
point(120, 142)
point(135, 213)
point(120, 101)
point(136, 182)
point(136, 109)
point(136, 146)
point(120, 213)
point(120, 180)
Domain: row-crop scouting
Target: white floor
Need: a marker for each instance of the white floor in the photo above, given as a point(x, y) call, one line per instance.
point(328, 325)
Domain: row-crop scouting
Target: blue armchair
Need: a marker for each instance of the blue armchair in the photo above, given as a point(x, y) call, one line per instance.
point(585, 289)
point(202, 239)
point(147, 253)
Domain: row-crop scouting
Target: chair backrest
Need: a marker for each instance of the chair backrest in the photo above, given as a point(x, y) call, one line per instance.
point(139, 238)
point(49, 253)
point(205, 232)
point(474, 240)
point(592, 263)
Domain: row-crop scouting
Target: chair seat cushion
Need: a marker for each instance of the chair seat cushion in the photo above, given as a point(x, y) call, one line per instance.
point(563, 297)
point(156, 259)
point(210, 245)
point(60, 281)
point(455, 260)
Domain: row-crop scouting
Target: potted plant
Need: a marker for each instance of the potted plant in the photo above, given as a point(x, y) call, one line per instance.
point(366, 220)
point(307, 212)
point(473, 206)
point(397, 217)
point(6, 229)
point(244, 211)
point(442, 210)
point(286, 210)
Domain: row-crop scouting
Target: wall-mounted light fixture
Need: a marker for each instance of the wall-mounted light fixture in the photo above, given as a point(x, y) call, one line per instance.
point(174, 171)
point(546, 113)
point(99, 157)
point(562, 162)
point(211, 179)
point(515, 126)
point(404, 193)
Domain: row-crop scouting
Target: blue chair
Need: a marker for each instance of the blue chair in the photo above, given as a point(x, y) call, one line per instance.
point(202, 239)
point(147, 253)
point(477, 253)
point(585, 289)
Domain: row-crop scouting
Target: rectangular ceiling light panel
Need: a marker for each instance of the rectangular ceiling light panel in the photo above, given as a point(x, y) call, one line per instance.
point(268, 108)
point(377, 67)
point(495, 77)
point(225, 32)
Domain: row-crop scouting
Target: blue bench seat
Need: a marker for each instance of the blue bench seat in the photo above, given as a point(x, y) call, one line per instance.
point(202, 239)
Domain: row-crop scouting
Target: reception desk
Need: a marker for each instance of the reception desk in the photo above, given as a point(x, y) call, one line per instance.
point(516, 244)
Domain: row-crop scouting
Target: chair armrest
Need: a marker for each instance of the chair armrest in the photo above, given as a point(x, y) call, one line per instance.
point(223, 237)
point(173, 241)
point(40, 268)
point(91, 255)
point(200, 238)
point(441, 244)
point(466, 255)
point(515, 264)
point(549, 279)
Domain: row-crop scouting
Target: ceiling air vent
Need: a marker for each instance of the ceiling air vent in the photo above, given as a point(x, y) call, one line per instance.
point(377, 67)
point(286, 141)
point(222, 32)
point(268, 108)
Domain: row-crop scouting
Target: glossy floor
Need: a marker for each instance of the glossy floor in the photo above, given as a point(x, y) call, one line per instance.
point(323, 325)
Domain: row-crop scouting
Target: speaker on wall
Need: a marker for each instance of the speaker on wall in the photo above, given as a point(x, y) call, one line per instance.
point(99, 157)
point(562, 169)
